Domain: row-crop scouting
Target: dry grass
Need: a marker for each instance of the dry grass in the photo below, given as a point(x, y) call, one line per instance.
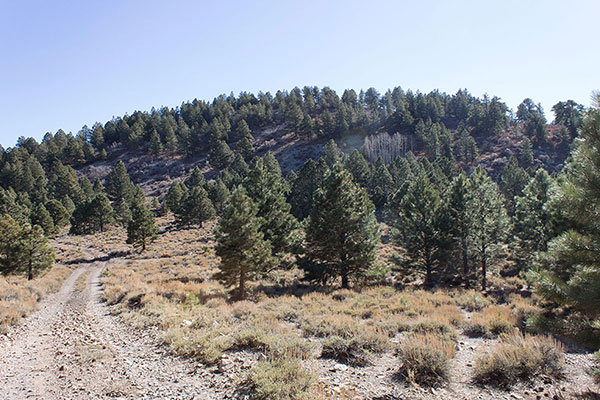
point(19, 297)
point(424, 358)
point(520, 357)
point(491, 322)
point(81, 282)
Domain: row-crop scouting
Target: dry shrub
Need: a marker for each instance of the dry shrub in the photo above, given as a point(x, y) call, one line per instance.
point(424, 358)
point(283, 379)
point(492, 321)
point(19, 297)
point(520, 357)
point(356, 350)
point(595, 370)
point(328, 325)
point(472, 300)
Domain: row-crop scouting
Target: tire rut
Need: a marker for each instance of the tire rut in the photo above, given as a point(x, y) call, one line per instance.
point(73, 348)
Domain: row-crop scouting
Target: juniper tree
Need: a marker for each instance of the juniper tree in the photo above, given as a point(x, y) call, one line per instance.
point(140, 229)
point(241, 245)
point(342, 233)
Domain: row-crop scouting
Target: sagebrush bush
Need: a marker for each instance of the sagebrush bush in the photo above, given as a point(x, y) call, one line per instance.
point(520, 357)
point(472, 300)
point(424, 358)
point(356, 350)
point(283, 379)
point(490, 322)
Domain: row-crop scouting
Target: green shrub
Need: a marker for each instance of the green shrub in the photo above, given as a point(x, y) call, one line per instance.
point(520, 358)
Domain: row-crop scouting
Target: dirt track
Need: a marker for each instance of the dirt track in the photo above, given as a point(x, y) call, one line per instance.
point(72, 348)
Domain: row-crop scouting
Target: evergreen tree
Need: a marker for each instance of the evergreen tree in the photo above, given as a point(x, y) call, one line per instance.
point(101, 211)
point(241, 246)
point(570, 269)
point(459, 221)
point(417, 223)
point(358, 167)
point(381, 184)
point(489, 222)
point(155, 144)
point(141, 229)
point(242, 131)
point(60, 216)
point(196, 179)
point(267, 189)
point(195, 209)
point(512, 182)
point(526, 153)
point(309, 179)
point(23, 249)
point(342, 232)
point(41, 217)
point(218, 194)
point(118, 184)
point(331, 153)
point(244, 148)
point(220, 155)
point(37, 256)
point(533, 222)
point(174, 197)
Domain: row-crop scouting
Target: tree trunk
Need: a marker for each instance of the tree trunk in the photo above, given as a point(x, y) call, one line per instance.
point(242, 287)
point(30, 267)
point(345, 284)
point(465, 261)
point(483, 267)
point(428, 278)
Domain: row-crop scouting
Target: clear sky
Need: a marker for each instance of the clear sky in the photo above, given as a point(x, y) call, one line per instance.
point(69, 63)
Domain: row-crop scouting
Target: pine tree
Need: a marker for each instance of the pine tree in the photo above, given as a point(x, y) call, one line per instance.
point(358, 167)
point(459, 221)
point(242, 131)
point(417, 223)
point(141, 229)
point(37, 256)
point(174, 197)
point(331, 153)
point(241, 245)
point(118, 184)
point(101, 211)
point(218, 195)
point(526, 153)
point(220, 155)
point(381, 184)
point(23, 249)
point(342, 232)
point(60, 216)
point(244, 148)
point(267, 189)
point(534, 222)
point(196, 179)
point(195, 209)
point(310, 178)
point(40, 216)
point(155, 144)
point(489, 222)
point(570, 270)
point(512, 182)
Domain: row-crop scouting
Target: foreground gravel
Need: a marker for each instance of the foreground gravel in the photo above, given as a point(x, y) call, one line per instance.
point(72, 348)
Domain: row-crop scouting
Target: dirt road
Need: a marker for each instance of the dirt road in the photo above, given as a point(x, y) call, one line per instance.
point(72, 348)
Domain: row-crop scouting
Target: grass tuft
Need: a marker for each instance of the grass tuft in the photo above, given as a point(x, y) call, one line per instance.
point(424, 359)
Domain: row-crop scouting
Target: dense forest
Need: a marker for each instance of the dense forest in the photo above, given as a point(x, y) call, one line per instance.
point(454, 204)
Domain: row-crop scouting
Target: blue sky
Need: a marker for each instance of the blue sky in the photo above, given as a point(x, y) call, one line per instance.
point(68, 63)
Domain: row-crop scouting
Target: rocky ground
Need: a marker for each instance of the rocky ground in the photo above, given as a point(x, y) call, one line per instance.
point(73, 348)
